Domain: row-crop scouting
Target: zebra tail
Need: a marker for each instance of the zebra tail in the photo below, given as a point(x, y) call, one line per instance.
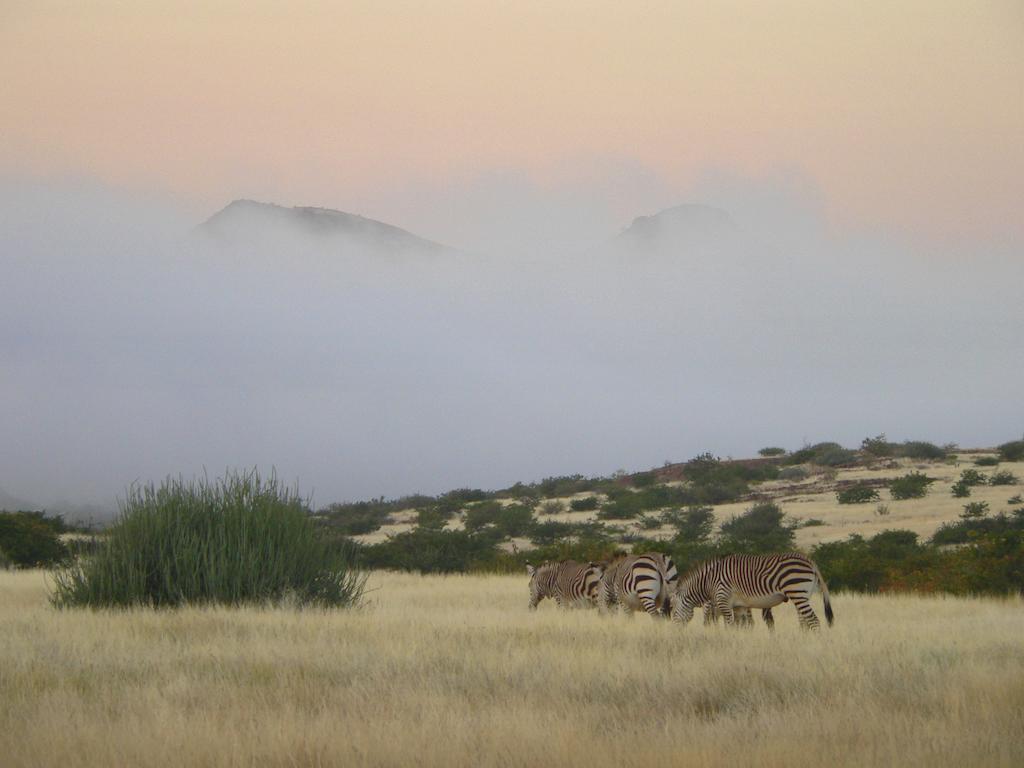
point(829, 616)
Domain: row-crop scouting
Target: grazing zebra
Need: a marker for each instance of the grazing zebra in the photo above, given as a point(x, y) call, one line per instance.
point(569, 583)
point(639, 581)
point(752, 581)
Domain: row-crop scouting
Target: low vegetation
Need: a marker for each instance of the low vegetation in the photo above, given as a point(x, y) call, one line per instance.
point(231, 541)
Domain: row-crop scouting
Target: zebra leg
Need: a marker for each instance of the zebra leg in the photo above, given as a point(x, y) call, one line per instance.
point(743, 617)
point(723, 606)
point(769, 620)
point(808, 619)
point(709, 615)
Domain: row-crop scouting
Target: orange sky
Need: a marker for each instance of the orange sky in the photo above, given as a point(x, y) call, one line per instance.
point(907, 115)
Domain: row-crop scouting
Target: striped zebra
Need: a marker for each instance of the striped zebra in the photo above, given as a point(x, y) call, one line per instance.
point(639, 581)
point(568, 583)
point(752, 581)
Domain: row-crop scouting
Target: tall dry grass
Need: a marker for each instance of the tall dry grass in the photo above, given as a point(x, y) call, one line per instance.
point(454, 671)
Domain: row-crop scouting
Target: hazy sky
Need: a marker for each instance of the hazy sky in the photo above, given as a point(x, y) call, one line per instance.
point(871, 156)
point(907, 115)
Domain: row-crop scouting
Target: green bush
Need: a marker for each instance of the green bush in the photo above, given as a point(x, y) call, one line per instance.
point(857, 494)
point(551, 507)
point(504, 520)
point(772, 451)
point(648, 522)
point(825, 454)
point(432, 551)
point(356, 518)
point(29, 540)
point(1012, 451)
point(972, 477)
point(969, 529)
point(1003, 478)
point(878, 446)
point(913, 485)
point(643, 479)
point(431, 517)
point(865, 565)
point(585, 504)
point(987, 461)
point(793, 473)
point(919, 449)
point(961, 490)
point(974, 510)
point(693, 524)
point(760, 529)
point(550, 532)
point(230, 541)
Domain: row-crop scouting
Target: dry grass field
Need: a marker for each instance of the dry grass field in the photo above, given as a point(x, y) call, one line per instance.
point(454, 671)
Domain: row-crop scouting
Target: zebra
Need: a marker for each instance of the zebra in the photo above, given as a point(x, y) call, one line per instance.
point(569, 583)
point(639, 581)
point(752, 581)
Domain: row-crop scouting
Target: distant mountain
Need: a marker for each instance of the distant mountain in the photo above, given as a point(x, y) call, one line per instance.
point(677, 226)
point(250, 221)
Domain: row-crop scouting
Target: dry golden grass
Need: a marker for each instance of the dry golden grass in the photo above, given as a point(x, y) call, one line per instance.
point(455, 671)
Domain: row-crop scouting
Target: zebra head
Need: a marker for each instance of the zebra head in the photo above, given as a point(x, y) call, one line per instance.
point(683, 602)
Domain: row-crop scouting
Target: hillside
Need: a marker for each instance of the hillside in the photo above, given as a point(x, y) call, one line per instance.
point(808, 502)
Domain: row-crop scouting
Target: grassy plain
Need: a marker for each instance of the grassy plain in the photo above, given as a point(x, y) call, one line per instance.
point(454, 671)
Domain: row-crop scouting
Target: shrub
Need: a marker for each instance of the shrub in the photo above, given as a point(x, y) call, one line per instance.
point(549, 532)
point(857, 494)
point(825, 454)
point(564, 485)
point(648, 522)
point(431, 517)
point(793, 473)
point(812, 522)
point(356, 518)
point(987, 461)
point(866, 564)
point(972, 477)
point(772, 451)
point(913, 485)
point(643, 479)
point(506, 521)
point(974, 510)
point(585, 504)
point(551, 508)
point(882, 510)
point(970, 528)
point(29, 540)
point(1012, 451)
point(878, 446)
point(961, 490)
point(919, 449)
point(759, 529)
point(1015, 500)
point(431, 551)
point(1003, 478)
point(232, 541)
point(694, 524)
